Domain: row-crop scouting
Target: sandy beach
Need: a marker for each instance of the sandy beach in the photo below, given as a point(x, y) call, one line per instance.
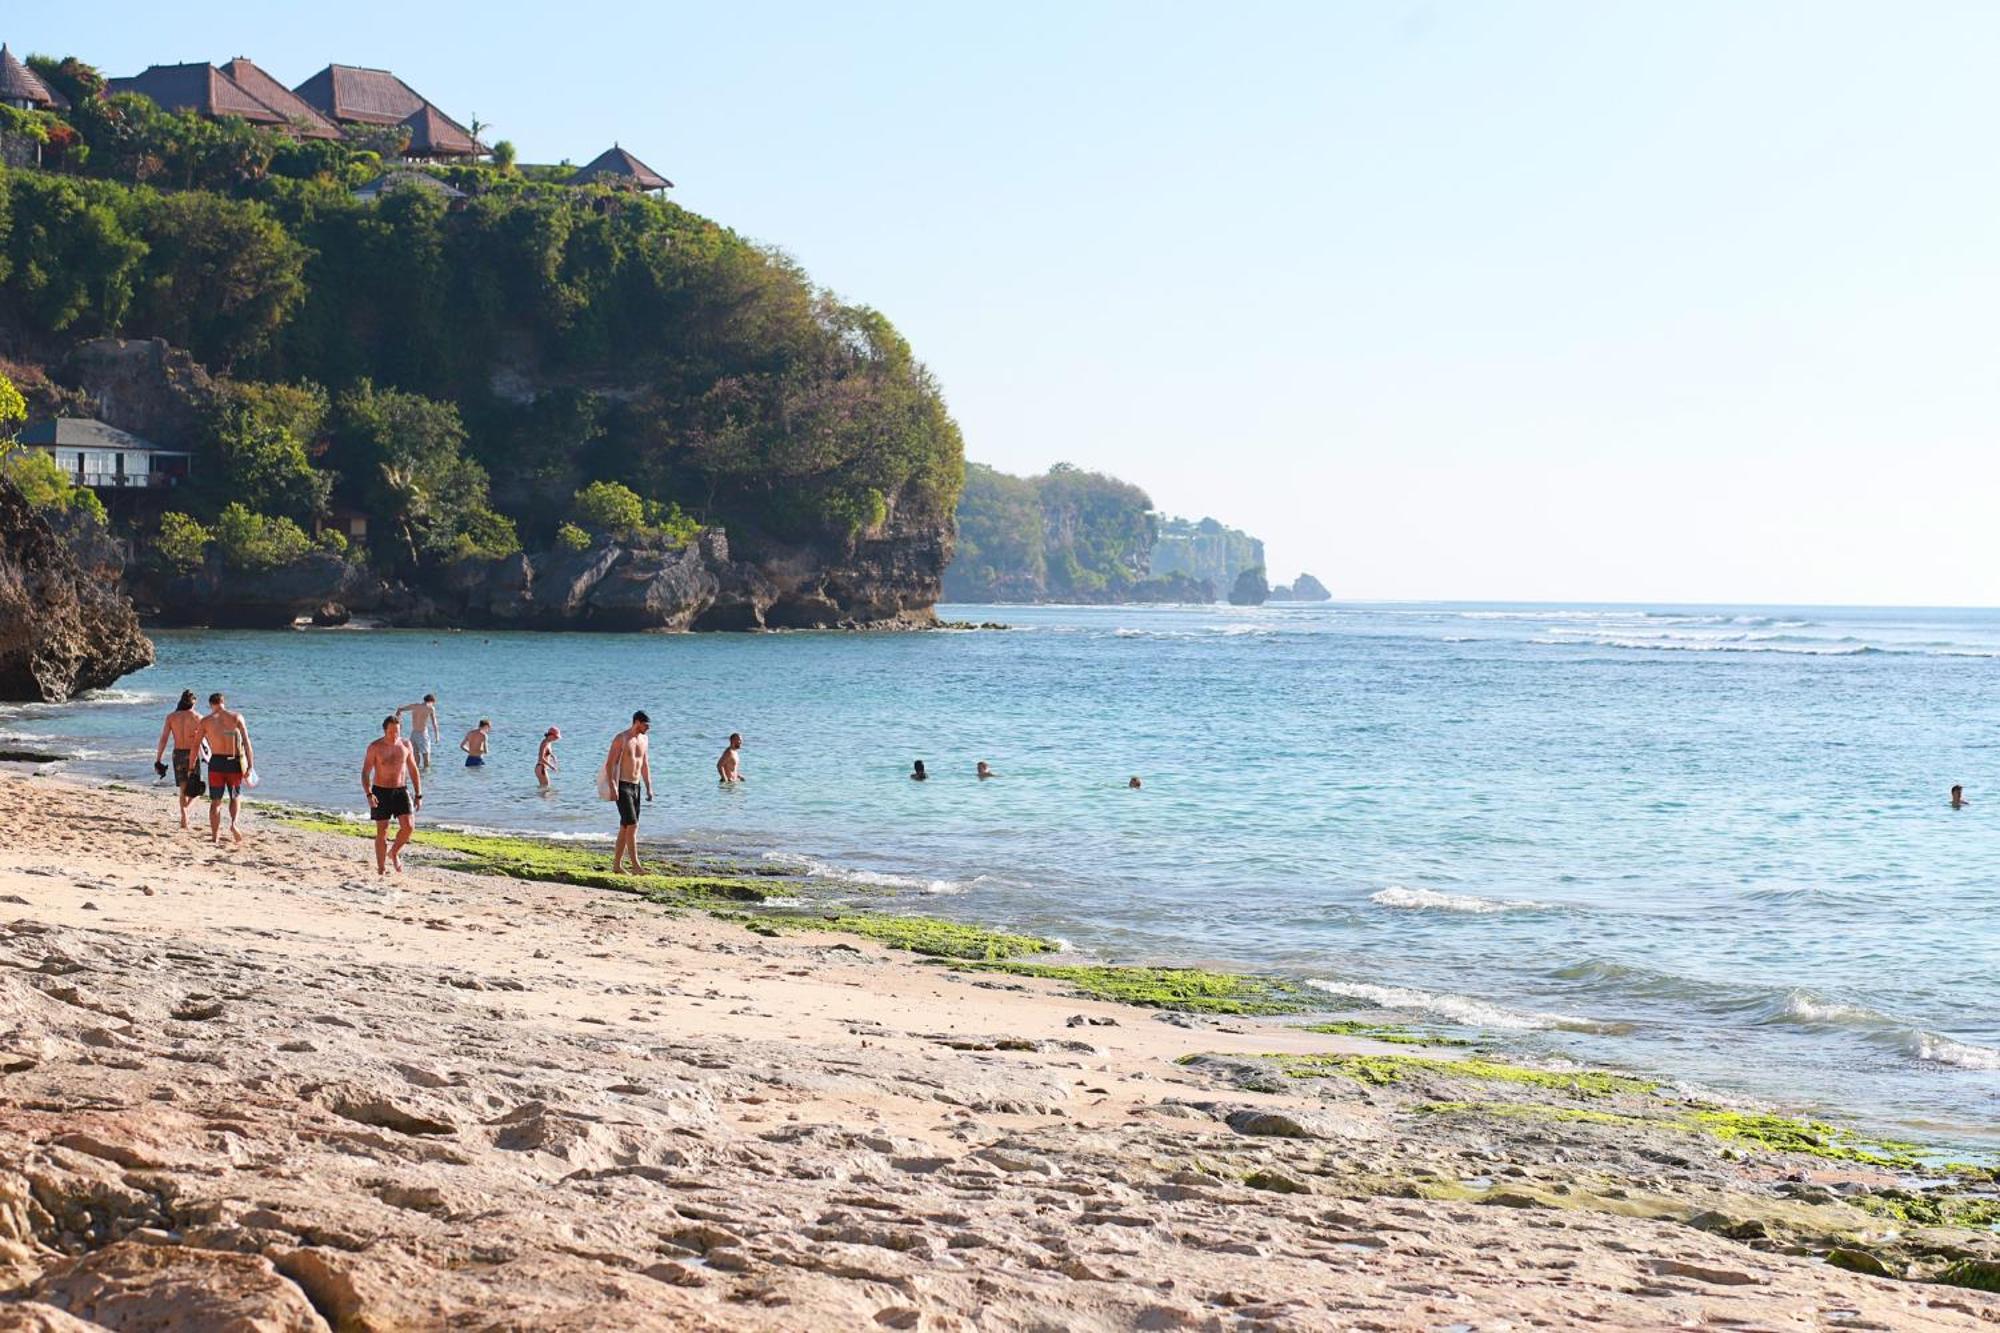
point(260, 1089)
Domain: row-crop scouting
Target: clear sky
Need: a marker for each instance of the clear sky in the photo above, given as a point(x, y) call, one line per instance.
point(1583, 300)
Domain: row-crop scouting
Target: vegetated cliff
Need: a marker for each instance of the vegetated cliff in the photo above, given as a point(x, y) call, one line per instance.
point(1066, 536)
point(1305, 588)
point(1205, 549)
point(436, 384)
point(64, 628)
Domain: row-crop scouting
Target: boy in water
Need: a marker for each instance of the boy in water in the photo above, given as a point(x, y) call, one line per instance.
point(423, 727)
point(183, 728)
point(388, 771)
point(629, 763)
point(475, 743)
point(730, 765)
point(545, 758)
point(230, 757)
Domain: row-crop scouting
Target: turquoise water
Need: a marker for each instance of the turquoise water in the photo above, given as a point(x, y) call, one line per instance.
point(1707, 842)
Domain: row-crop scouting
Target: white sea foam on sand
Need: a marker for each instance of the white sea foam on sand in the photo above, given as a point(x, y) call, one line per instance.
point(1462, 1009)
point(1430, 900)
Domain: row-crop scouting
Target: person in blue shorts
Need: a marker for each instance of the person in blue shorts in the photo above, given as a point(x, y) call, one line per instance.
point(475, 744)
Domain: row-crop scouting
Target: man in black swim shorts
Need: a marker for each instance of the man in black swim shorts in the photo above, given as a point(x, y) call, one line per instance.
point(388, 769)
point(627, 766)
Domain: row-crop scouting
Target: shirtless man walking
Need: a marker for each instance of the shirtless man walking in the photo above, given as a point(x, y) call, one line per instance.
point(423, 727)
point(628, 765)
point(389, 772)
point(183, 728)
point(229, 758)
point(730, 765)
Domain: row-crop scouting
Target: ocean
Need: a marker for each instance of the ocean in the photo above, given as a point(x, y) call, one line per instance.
point(1711, 843)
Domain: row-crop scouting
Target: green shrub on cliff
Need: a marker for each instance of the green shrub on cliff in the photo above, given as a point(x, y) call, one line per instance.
point(182, 543)
point(251, 541)
point(47, 486)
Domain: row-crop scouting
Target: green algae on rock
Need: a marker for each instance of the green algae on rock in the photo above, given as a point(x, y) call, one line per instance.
point(918, 934)
point(1189, 989)
point(1393, 1033)
point(1811, 1137)
point(1383, 1070)
point(552, 862)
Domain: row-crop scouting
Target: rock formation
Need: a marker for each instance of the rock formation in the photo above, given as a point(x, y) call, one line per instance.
point(1305, 589)
point(1249, 589)
point(63, 629)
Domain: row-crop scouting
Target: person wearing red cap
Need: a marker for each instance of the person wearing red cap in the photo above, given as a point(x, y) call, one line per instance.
point(545, 758)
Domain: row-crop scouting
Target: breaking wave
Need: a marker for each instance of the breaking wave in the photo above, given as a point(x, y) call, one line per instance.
point(1463, 1009)
point(1430, 900)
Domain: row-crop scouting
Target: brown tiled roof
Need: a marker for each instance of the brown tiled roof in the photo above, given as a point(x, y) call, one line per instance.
point(615, 166)
point(18, 83)
point(434, 134)
point(371, 96)
point(305, 121)
point(200, 88)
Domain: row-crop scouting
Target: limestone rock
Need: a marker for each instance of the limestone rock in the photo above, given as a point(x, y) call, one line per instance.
point(172, 1289)
point(1249, 589)
point(62, 631)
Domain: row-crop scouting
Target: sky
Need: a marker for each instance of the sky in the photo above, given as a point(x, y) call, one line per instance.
point(1581, 301)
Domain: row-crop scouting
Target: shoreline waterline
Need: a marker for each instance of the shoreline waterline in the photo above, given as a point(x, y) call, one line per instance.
point(1732, 868)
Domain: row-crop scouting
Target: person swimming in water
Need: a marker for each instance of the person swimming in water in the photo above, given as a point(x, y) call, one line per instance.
point(917, 773)
point(1135, 784)
point(475, 744)
point(984, 771)
point(545, 758)
point(1957, 796)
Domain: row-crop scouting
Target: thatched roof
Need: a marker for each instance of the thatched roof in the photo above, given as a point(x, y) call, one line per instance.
point(434, 134)
point(615, 166)
point(18, 83)
point(200, 88)
point(390, 181)
point(306, 122)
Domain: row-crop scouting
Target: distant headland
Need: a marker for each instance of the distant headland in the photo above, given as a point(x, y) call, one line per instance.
point(1075, 536)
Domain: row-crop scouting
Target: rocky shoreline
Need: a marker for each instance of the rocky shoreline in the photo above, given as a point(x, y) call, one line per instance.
point(259, 1088)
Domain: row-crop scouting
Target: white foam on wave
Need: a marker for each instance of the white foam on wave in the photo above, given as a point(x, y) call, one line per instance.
point(1931, 1047)
point(1805, 1007)
point(117, 696)
point(1462, 1009)
point(1430, 900)
point(874, 879)
point(1663, 643)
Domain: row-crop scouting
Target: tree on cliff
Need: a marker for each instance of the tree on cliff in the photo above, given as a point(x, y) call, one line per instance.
point(1069, 534)
point(405, 454)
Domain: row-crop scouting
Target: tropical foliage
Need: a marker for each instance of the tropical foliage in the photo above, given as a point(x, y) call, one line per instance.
point(460, 370)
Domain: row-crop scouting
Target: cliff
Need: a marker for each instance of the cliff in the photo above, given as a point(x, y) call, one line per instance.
point(63, 628)
point(1205, 550)
point(442, 386)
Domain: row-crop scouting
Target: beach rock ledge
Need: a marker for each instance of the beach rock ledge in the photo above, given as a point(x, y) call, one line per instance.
point(63, 629)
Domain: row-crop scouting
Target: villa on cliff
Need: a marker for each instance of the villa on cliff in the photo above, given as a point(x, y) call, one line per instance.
point(340, 102)
point(103, 457)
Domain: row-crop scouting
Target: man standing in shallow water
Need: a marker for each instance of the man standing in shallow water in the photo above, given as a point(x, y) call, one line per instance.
point(423, 727)
point(730, 765)
point(229, 759)
point(628, 765)
point(388, 773)
point(183, 727)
